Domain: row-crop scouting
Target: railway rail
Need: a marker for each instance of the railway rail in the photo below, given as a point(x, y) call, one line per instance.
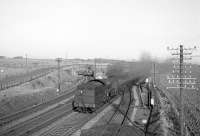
point(30, 110)
point(36, 123)
point(71, 125)
point(121, 111)
point(68, 128)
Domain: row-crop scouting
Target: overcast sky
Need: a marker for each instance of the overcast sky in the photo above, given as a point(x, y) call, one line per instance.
point(97, 28)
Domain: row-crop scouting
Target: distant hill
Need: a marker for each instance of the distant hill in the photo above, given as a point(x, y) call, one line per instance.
point(2, 57)
point(18, 57)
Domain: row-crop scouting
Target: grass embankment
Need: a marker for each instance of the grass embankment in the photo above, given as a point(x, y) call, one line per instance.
point(170, 111)
point(32, 93)
point(13, 67)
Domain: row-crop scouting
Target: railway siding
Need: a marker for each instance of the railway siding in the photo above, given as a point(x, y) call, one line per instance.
point(149, 113)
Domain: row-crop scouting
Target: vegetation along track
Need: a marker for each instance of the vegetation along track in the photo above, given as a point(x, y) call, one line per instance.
point(36, 123)
point(191, 115)
point(23, 78)
point(30, 110)
point(192, 118)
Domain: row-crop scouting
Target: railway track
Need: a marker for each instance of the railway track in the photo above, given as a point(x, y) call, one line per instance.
point(121, 113)
point(41, 121)
point(36, 123)
point(30, 110)
point(71, 125)
point(69, 128)
point(11, 126)
point(120, 117)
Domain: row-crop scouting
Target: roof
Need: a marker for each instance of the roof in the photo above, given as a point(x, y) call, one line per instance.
point(90, 85)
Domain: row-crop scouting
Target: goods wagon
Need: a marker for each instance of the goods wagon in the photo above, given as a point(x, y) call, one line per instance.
point(93, 94)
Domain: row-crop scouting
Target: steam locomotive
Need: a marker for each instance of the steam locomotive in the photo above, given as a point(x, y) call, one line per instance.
point(93, 94)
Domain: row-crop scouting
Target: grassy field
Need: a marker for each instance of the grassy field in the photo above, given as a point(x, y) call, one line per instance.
point(9, 67)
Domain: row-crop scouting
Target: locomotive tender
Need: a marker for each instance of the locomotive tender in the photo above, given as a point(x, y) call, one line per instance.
point(93, 94)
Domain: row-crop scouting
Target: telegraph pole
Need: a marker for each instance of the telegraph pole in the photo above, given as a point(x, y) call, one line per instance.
point(95, 67)
point(154, 74)
point(26, 62)
point(181, 89)
point(58, 60)
point(180, 79)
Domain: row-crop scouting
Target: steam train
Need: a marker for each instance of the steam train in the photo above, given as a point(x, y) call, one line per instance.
point(93, 94)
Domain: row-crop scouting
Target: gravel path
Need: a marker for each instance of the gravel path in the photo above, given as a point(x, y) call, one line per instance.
point(136, 97)
point(165, 123)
